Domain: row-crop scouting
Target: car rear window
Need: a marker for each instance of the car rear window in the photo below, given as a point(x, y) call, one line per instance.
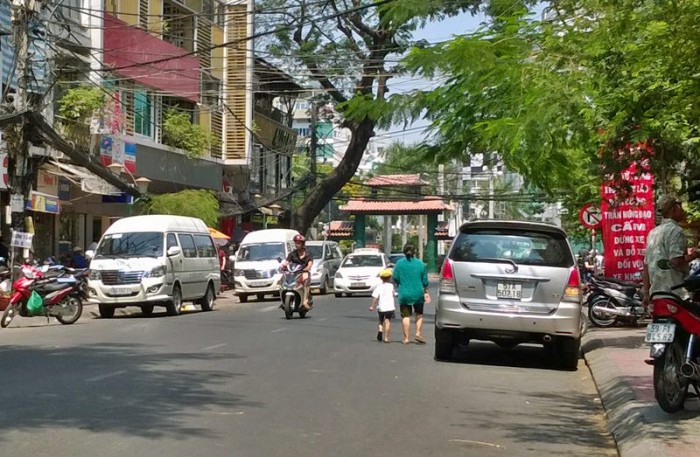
point(520, 246)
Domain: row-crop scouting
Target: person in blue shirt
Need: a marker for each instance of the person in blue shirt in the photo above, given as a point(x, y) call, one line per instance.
point(78, 260)
point(411, 277)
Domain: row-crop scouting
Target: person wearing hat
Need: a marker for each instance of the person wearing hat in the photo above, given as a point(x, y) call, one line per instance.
point(383, 300)
point(78, 260)
point(666, 242)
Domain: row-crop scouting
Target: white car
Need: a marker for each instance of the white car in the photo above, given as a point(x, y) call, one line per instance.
point(359, 272)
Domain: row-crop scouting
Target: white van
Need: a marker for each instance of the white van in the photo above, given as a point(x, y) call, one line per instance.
point(258, 260)
point(157, 260)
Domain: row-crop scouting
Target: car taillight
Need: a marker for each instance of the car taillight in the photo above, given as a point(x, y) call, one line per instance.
point(447, 279)
point(573, 287)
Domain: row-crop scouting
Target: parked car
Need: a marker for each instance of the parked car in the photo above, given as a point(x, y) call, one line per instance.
point(396, 256)
point(510, 282)
point(359, 272)
point(327, 258)
point(154, 260)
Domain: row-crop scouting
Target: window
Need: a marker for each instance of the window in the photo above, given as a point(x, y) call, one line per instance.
point(134, 244)
point(171, 241)
point(261, 251)
point(142, 113)
point(188, 246)
point(205, 246)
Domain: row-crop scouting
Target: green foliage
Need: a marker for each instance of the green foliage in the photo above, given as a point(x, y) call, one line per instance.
point(558, 98)
point(180, 132)
point(190, 202)
point(79, 104)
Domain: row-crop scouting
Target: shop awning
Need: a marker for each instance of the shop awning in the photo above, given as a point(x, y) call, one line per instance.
point(82, 177)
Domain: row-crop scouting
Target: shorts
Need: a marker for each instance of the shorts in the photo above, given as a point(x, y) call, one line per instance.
point(407, 310)
point(385, 315)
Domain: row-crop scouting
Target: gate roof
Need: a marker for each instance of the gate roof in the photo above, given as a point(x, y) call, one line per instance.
point(424, 206)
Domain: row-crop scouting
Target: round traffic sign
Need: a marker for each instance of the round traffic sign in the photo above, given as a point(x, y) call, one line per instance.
point(590, 216)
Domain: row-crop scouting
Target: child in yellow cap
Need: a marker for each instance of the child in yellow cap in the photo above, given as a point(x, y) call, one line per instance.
point(383, 300)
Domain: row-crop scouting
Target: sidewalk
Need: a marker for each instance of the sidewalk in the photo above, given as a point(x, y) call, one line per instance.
point(625, 383)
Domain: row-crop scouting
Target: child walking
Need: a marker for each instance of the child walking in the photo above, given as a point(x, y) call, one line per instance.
point(383, 300)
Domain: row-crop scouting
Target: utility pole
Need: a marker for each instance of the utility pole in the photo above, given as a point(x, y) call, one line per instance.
point(21, 11)
point(313, 145)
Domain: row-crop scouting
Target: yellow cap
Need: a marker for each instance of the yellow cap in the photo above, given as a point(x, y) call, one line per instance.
point(385, 273)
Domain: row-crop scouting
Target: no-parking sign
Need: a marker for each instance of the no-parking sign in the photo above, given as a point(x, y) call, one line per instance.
point(590, 216)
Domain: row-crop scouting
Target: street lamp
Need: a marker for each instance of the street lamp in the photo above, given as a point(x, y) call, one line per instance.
point(140, 183)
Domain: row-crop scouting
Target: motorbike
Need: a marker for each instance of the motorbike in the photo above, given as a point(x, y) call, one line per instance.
point(62, 292)
point(292, 292)
point(674, 335)
point(611, 301)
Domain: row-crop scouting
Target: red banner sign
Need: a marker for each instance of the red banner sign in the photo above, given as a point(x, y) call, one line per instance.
point(626, 223)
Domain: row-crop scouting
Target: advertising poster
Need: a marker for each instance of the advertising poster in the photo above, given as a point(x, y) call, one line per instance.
point(627, 221)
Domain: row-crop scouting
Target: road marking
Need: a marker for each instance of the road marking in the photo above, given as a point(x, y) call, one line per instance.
point(209, 348)
point(267, 309)
point(105, 376)
point(279, 330)
point(322, 319)
point(476, 442)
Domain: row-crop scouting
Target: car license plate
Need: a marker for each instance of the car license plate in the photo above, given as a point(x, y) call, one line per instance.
point(358, 284)
point(509, 290)
point(121, 291)
point(660, 333)
point(258, 283)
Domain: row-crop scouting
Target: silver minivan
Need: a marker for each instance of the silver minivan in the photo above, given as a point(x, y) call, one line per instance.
point(510, 282)
point(327, 257)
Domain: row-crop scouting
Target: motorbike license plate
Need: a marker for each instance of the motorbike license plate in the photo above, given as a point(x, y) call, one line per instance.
point(121, 291)
point(660, 333)
point(509, 290)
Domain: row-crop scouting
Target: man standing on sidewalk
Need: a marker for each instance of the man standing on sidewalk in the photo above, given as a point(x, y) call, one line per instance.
point(411, 277)
point(666, 242)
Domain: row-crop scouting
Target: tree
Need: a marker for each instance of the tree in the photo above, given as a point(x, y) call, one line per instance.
point(556, 98)
point(190, 202)
point(345, 45)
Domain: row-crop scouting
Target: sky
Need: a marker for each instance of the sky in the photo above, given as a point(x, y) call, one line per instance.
point(433, 32)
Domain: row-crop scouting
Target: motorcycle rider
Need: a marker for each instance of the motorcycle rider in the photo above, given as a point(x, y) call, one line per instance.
point(666, 242)
point(300, 256)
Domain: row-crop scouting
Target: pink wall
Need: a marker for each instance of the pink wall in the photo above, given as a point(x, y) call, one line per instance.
point(129, 50)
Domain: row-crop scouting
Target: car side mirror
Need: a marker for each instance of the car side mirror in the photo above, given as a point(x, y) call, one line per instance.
point(664, 264)
point(232, 258)
point(173, 251)
point(89, 254)
point(279, 259)
point(391, 265)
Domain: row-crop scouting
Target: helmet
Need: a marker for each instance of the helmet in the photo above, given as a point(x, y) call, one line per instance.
point(299, 239)
point(385, 273)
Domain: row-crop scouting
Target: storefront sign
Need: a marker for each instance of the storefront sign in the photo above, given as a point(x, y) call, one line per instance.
point(4, 178)
point(627, 223)
point(47, 183)
point(21, 240)
point(115, 149)
point(63, 189)
point(43, 203)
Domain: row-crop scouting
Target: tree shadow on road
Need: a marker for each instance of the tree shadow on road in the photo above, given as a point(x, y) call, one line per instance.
point(121, 388)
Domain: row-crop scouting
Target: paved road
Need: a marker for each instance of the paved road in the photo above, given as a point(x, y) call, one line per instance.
point(243, 381)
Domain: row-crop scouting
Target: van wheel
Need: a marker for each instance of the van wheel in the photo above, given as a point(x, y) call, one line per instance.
point(106, 311)
point(174, 306)
point(207, 301)
point(147, 310)
point(243, 298)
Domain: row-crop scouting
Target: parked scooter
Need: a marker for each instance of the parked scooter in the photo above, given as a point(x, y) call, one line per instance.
point(675, 344)
point(292, 292)
point(62, 291)
point(611, 301)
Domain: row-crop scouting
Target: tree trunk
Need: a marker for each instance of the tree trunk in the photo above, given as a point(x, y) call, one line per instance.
point(324, 191)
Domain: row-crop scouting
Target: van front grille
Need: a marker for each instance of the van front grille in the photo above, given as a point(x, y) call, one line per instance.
point(116, 277)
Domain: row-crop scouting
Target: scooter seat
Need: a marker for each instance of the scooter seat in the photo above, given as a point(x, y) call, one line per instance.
point(620, 282)
point(49, 287)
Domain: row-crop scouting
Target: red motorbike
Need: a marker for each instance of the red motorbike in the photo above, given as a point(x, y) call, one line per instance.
point(62, 293)
point(674, 336)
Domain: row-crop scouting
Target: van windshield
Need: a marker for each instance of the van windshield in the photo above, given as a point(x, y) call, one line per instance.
point(261, 251)
point(138, 244)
